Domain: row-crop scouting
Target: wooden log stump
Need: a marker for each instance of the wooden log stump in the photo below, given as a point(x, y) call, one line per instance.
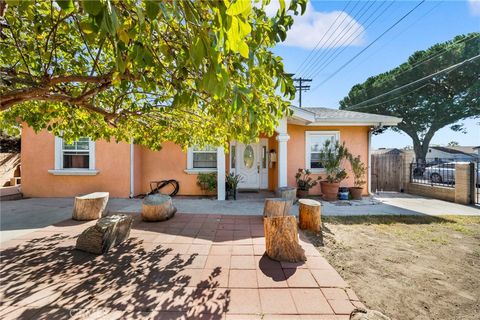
point(281, 239)
point(276, 207)
point(157, 207)
point(106, 233)
point(288, 193)
point(90, 206)
point(309, 215)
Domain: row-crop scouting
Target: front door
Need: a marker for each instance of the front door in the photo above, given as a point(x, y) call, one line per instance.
point(248, 165)
point(250, 162)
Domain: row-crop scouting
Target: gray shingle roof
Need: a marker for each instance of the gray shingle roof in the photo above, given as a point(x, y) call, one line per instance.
point(343, 116)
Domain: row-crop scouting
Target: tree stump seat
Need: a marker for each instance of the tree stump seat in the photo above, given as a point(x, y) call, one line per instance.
point(309, 215)
point(108, 232)
point(157, 207)
point(275, 207)
point(289, 193)
point(281, 239)
point(91, 206)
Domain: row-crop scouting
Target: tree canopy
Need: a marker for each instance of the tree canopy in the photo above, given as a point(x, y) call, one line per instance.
point(431, 104)
point(191, 72)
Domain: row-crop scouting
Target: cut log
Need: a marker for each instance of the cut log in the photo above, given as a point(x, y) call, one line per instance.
point(90, 206)
point(281, 239)
point(157, 207)
point(276, 207)
point(309, 215)
point(106, 233)
point(288, 193)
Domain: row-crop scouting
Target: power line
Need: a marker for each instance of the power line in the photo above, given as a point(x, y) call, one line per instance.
point(402, 31)
point(434, 55)
point(448, 69)
point(317, 70)
point(327, 41)
point(342, 35)
point(299, 69)
point(374, 41)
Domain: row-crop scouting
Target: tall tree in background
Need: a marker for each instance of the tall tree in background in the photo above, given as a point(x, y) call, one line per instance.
point(191, 72)
point(429, 105)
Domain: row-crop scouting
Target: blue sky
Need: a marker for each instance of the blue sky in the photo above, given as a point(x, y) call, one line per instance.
point(430, 23)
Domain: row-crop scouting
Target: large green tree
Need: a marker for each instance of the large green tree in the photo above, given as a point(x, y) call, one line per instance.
point(191, 72)
point(431, 104)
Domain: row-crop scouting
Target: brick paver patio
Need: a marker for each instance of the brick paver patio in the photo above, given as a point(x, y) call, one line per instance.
point(190, 267)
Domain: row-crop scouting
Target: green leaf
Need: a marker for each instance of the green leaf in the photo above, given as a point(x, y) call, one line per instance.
point(152, 9)
point(197, 52)
point(92, 7)
point(141, 17)
point(66, 5)
point(239, 7)
point(243, 49)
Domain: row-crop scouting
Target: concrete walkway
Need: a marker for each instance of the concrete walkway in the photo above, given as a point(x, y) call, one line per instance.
point(24, 216)
point(197, 266)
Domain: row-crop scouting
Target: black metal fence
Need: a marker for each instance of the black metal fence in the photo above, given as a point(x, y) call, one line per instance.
point(439, 173)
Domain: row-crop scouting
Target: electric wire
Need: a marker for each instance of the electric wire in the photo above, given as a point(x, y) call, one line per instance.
point(327, 41)
point(366, 48)
point(447, 69)
point(299, 69)
point(342, 34)
point(322, 67)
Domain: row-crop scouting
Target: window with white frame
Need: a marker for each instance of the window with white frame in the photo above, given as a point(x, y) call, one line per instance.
point(79, 154)
point(314, 141)
point(202, 158)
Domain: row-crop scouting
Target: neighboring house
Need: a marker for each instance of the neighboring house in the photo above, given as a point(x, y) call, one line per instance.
point(456, 154)
point(51, 168)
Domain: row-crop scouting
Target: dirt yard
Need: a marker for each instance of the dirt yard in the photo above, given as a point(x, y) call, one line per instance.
point(408, 267)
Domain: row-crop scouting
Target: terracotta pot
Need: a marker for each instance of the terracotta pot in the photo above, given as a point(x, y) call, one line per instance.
point(356, 193)
point(302, 193)
point(330, 190)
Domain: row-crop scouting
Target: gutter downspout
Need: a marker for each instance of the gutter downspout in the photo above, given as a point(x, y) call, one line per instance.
point(132, 171)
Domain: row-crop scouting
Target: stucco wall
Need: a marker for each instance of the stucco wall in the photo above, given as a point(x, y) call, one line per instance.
point(38, 156)
point(356, 140)
point(113, 162)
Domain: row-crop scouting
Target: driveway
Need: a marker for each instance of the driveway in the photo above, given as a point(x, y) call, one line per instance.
point(193, 266)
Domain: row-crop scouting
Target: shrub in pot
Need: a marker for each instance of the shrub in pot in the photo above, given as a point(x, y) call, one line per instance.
point(358, 169)
point(332, 156)
point(304, 182)
point(207, 182)
point(232, 181)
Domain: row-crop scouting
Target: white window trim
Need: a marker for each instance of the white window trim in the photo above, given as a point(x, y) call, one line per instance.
point(191, 170)
point(308, 135)
point(60, 171)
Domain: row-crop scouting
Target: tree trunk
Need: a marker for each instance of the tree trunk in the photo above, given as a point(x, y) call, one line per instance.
point(309, 215)
point(90, 206)
point(157, 207)
point(281, 239)
point(106, 233)
point(277, 207)
point(288, 193)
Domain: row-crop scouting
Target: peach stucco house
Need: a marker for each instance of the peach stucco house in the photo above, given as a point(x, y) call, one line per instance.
point(52, 169)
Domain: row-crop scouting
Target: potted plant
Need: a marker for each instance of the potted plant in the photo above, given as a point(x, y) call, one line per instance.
point(332, 156)
point(232, 182)
point(304, 182)
point(358, 169)
point(207, 181)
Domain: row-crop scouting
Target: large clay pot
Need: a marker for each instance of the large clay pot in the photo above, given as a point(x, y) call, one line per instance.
point(356, 193)
point(330, 190)
point(302, 193)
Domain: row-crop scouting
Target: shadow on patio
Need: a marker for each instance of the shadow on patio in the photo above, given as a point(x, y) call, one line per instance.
point(45, 278)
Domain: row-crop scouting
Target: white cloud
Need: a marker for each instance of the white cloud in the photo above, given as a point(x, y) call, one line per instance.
point(474, 6)
point(310, 28)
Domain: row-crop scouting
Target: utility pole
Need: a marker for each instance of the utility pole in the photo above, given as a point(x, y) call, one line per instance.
point(301, 87)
